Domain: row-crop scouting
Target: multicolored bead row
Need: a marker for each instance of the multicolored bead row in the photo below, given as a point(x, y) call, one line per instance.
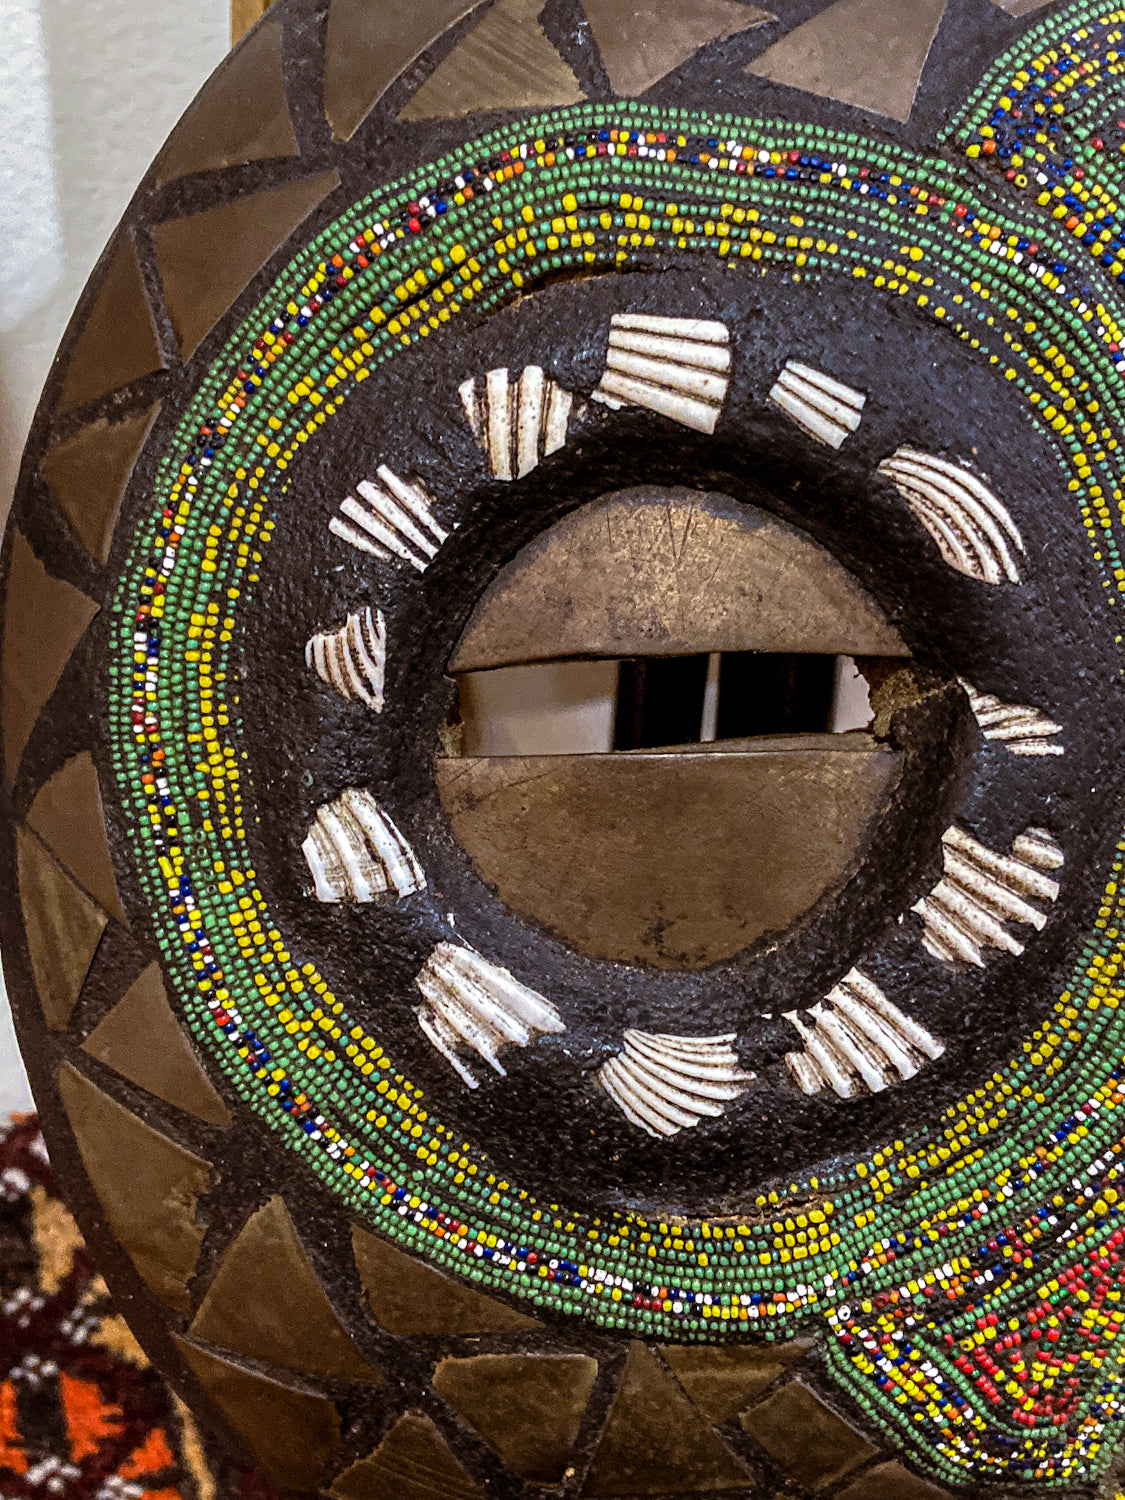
point(913, 1257)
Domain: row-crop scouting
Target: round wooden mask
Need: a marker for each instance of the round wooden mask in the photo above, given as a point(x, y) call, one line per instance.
point(729, 1104)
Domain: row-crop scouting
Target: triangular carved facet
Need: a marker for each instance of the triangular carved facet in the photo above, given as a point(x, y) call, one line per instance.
point(370, 45)
point(505, 62)
point(639, 51)
point(293, 1433)
point(67, 815)
point(656, 1442)
point(723, 1382)
point(141, 1039)
point(1023, 7)
point(413, 1462)
point(811, 1442)
point(44, 619)
point(242, 114)
point(118, 342)
point(206, 259)
point(527, 1407)
point(148, 1186)
point(63, 929)
point(88, 474)
point(407, 1297)
point(868, 53)
point(266, 1301)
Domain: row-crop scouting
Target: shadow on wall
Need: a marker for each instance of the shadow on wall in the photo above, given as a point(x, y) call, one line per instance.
point(89, 89)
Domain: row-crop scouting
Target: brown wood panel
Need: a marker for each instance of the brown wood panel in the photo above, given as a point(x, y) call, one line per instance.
point(677, 859)
point(671, 572)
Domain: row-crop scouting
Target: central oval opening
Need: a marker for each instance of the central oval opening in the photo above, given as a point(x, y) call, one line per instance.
point(669, 739)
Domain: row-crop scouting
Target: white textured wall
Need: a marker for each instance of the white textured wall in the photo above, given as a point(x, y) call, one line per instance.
point(88, 91)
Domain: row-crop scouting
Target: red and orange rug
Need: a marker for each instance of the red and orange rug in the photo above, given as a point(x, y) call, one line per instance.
point(83, 1415)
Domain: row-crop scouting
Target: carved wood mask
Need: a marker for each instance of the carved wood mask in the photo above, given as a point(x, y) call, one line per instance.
point(734, 1107)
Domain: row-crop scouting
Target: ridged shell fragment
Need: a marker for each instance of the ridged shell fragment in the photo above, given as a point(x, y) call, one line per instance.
point(665, 1084)
point(981, 891)
point(1022, 730)
point(827, 409)
point(857, 1042)
point(390, 518)
point(676, 367)
point(972, 529)
point(477, 1006)
point(355, 853)
point(353, 659)
point(517, 422)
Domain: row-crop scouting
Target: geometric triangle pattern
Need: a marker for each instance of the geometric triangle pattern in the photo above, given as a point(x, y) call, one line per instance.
point(295, 1433)
point(412, 1462)
point(44, 619)
point(63, 928)
point(638, 49)
point(867, 53)
point(655, 1442)
point(369, 46)
point(408, 1297)
point(206, 259)
point(88, 474)
point(141, 1039)
point(504, 63)
point(527, 1407)
point(890, 1481)
point(265, 1301)
point(242, 114)
point(724, 1381)
point(67, 815)
point(147, 1185)
point(811, 1442)
point(118, 342)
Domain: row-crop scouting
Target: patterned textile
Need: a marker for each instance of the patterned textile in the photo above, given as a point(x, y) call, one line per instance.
point(83, 1416)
